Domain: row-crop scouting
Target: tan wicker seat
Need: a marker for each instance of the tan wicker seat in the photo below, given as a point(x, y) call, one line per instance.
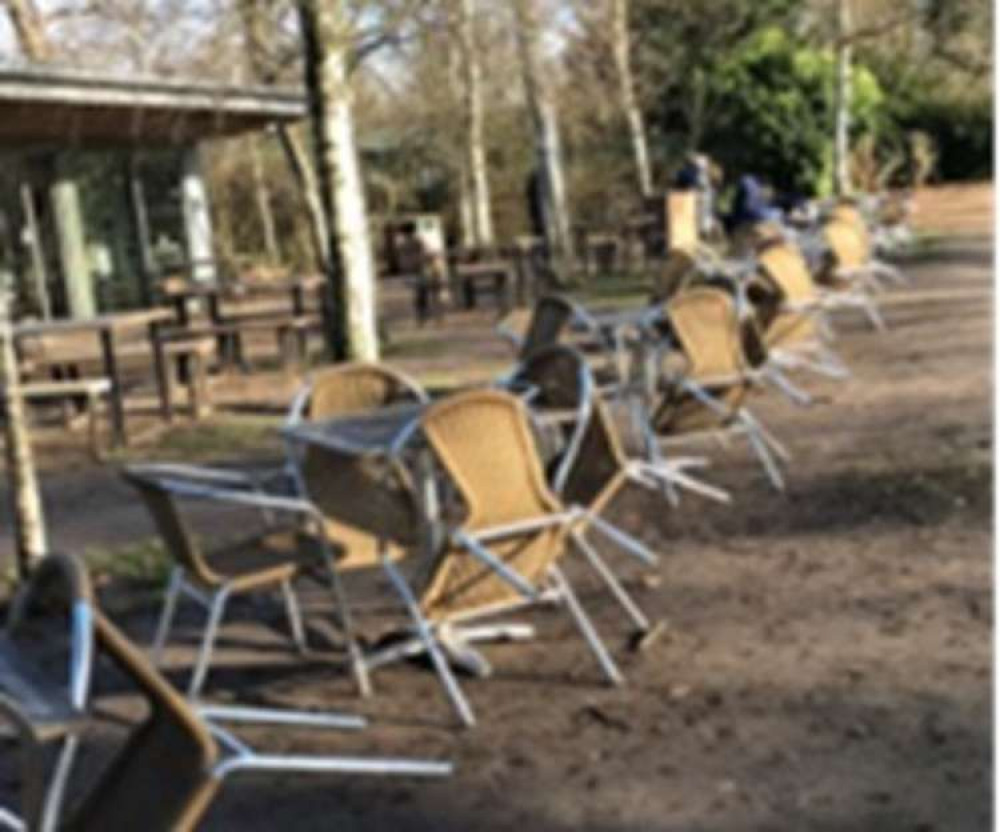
point(168, 772)
point(367, 504)
point(847, 271)
point(711, 392)
point(506, 551)
point(797, 332)
point(594, 467)
point(269, 560)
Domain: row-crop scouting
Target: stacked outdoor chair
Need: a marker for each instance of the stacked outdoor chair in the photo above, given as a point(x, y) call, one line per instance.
point(506, 552)
point(593, 466)
point(166, 773)
point(703, 383)
point(46, 662)
point(797, 328)
point(269, 560)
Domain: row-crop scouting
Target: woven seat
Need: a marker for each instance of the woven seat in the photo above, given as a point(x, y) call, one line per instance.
point(711, 393)
point(170, 769)
point(506, 550)
point(266, 561)
point(367, 504)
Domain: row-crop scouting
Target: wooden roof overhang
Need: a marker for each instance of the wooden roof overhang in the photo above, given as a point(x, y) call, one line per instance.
point(74, 109)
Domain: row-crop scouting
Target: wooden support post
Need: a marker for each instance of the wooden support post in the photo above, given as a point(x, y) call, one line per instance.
point(78, 282)
point(197, 219)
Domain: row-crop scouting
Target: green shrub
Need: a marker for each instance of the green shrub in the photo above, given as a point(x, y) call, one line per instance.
point(776, 109)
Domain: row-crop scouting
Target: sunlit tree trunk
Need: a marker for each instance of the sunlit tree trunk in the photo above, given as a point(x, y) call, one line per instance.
point(842, 102)
point(475, 164)
point(26, 499)
point(621, 46)
point(327, 39)
point(29, 29)
point(544, 119)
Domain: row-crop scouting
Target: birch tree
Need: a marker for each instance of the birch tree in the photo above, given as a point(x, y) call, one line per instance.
point(621, 47)
point(29, 28)
point(26, 498)
point(328, 39)
point(475, 167)
point(842, 101)
point(545, 123)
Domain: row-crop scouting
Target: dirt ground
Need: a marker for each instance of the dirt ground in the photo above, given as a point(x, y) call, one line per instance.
point(825, 662)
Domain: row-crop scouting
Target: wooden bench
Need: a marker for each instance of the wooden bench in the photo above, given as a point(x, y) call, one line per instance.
point(89, 391)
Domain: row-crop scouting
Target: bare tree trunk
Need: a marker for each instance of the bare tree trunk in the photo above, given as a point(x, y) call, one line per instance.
point(475, 164)
point(622, 49)
point(467, 230)
point(842, 102)
point(544, 119)
point(262, 196)
point(256, 36)
point(305, 176)
point(327, 36)
point(29, 27)
point(29, 521)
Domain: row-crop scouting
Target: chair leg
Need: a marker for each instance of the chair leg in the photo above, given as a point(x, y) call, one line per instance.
point(424, 631)
point(625, 541)
point(611, 581)
point(583, 623)
point(294, 613)
point(217, 608)
point(357, 660)
point(57, 787)
point(763, 452)
point(167, 614)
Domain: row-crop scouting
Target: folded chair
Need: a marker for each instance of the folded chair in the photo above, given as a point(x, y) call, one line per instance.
point(504, 554)
point(50, 621)
point(593, 466)
point(796, 332)
point(269, 560)
point(354, 494)
point(547, 323)
point(866, 259)
point(170, 769)
point(708, 393)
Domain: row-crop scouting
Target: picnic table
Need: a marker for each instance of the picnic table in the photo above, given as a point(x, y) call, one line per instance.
point(108, 330)
point(228, 326)
point(492, 275)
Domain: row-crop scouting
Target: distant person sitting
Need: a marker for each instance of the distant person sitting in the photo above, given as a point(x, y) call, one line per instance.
point(696, 175)
point(751, 205)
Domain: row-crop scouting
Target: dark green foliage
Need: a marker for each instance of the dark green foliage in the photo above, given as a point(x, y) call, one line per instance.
point(956, 112)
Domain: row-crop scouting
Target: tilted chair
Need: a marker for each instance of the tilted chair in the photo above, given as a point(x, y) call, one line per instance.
point(546, 324)
point(797, 331)
point(50, 626)
point(593, 465)
point(867, 260)
point(504, 554)
point(168, 772)
point(845, 274)
point(357, 497)
point(268, 560)
point(708, 393)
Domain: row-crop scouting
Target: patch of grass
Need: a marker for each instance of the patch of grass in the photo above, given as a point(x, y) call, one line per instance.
point(221, 438)
point(144, 560)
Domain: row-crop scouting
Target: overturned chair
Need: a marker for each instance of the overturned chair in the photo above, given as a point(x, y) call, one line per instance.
point(707, 394)
point(503, 555)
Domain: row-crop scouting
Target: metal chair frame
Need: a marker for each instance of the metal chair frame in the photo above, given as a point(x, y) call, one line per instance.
point(42, 804)
point(232, 488)
point(450, 639)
